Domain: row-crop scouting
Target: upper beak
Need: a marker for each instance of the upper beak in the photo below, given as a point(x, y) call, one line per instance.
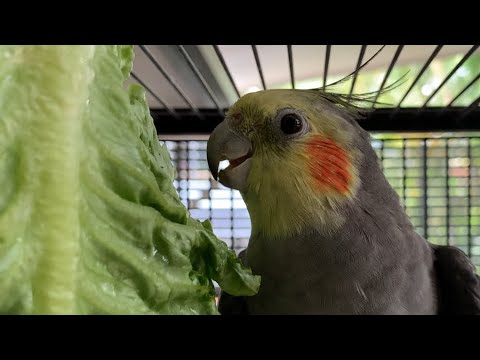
point(226, 144)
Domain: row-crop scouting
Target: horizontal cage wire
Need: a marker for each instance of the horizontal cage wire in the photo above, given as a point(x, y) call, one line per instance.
point(437, 179)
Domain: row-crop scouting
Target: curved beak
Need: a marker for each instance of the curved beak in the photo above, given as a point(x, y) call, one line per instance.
point(226, 144)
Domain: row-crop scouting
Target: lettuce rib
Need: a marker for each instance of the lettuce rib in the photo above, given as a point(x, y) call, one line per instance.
point(90, 222)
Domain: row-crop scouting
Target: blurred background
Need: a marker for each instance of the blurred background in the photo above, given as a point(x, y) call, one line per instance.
point(426, 132)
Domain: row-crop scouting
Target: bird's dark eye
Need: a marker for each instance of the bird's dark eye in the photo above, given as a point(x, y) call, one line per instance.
point(291, 124)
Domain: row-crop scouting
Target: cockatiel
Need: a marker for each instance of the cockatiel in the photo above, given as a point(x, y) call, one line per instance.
point(329, 234)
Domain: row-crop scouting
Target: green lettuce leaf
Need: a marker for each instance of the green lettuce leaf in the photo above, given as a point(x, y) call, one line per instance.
point(90, 222)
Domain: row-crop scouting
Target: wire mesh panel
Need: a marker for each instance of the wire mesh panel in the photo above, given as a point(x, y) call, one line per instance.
point(208, 199)
point(437, 178)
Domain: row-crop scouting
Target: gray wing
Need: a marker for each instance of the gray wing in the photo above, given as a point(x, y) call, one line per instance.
point(233, 305)
point(458, 284)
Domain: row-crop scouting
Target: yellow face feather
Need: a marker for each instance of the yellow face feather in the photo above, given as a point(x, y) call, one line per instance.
point(296, 182)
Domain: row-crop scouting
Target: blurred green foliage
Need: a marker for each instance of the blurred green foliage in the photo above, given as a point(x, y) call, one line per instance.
point(437, 71)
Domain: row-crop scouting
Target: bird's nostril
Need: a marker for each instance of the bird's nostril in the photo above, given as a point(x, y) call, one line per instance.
point(236, 118)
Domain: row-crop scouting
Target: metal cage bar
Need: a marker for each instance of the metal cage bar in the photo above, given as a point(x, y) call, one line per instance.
point(225, 67)
point(425, 188)
point(179, 91)
point(325, 69)
point(404, 173)
point(232, 217)
point(169, 109)
point(359, 63)
point(419, 75)
point(473, 107)
point(290, 65)
point(465, 89)
point(200, 77)
point(432, 119)
point(259, 66)
point(469, 197)
point(389, 70)
point(460, 63)
point(447, 190)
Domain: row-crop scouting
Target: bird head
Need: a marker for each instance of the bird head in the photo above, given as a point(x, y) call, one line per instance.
point(293, 154)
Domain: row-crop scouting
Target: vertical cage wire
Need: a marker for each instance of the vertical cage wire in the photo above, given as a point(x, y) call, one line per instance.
point(232, 238)
point(425, 189)
point(469, 196)
point(404, 174)
point(447, 192)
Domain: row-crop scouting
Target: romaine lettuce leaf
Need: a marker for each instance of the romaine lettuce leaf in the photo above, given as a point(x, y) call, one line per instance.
point(90, 222)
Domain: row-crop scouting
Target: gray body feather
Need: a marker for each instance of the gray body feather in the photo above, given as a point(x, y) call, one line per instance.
point(374, 264)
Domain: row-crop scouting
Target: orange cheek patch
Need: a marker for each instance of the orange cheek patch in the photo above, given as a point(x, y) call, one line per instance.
point(329, 164)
